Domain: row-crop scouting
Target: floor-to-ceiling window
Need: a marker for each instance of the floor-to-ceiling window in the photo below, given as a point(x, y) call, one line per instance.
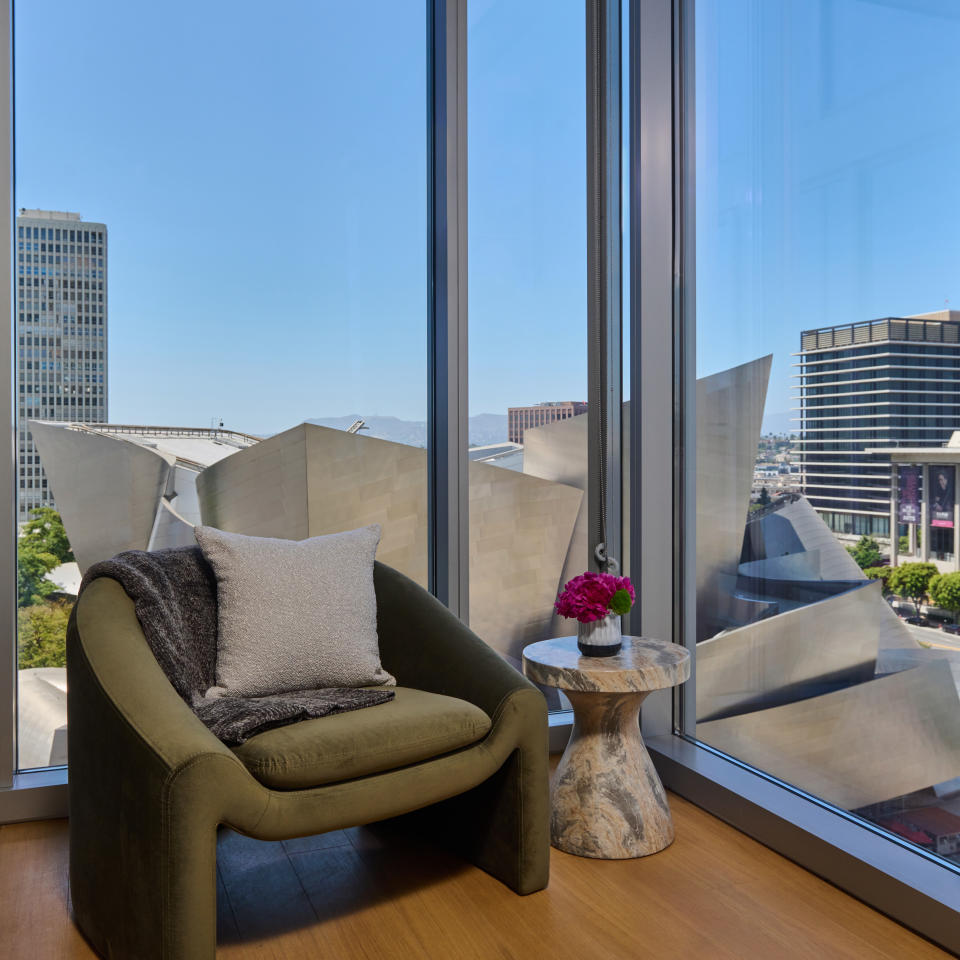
point(220, 269)
point(528, 394)
point(827, 336)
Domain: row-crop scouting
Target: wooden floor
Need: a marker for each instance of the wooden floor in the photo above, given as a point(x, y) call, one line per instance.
point(371, 894)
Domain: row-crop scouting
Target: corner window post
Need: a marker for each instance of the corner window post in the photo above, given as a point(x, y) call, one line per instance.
point(447, 427)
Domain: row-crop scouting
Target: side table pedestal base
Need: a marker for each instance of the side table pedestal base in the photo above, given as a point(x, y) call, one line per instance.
point(608, 801)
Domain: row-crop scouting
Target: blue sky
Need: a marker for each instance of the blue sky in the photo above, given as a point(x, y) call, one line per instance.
point(827, 188)
point(262, 175)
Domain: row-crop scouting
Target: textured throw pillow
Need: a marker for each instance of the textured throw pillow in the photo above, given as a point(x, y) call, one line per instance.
point(294, 615)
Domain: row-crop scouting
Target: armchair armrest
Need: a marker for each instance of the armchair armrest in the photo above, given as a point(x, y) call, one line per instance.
point(425, 646)
point(120, 701)
point(148, 786)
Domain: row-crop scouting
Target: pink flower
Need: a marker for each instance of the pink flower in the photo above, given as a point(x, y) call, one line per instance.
point(588, 597)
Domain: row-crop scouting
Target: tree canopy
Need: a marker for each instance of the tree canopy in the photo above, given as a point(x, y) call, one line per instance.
point(944, 591)
point(880, 573)
point(42, 640)
point(911, 580)
point(42, 545)
point(866, 552)
point(45, 531)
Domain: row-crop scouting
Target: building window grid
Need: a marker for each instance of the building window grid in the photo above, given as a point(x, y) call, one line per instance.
point(837, 426)
point(73, 296)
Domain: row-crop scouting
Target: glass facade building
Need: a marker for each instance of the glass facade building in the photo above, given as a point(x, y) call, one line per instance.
point(884, 383)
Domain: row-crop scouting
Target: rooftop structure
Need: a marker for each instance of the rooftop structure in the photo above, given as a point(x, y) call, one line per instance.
point(520, 419)
point(121, 487)
point(508, 456)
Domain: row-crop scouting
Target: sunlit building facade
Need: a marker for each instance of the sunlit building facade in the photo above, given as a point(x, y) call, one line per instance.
point(61, 323)
point(520, 419)
point(883, 383)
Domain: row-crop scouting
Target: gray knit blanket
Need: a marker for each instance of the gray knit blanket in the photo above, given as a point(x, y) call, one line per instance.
point(174, 593)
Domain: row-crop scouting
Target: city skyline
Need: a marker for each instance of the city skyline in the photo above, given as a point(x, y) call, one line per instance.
point(826, 215)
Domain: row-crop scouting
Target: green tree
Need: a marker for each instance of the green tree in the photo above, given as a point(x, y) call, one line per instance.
point(903, 543)
point(33, 565)
point(44, 530)
point(42, 635)
point(880, 573)
point(911, 580)
point(866, 552)
point(764, 496)
point(42, 545)
point(944, 591)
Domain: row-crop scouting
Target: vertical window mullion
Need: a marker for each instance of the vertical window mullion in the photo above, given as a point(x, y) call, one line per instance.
point(447, 428)
point(652, 304)
point(604, 283)
point(8, 528)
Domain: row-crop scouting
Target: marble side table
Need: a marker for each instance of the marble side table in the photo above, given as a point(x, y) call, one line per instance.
point(608, 801)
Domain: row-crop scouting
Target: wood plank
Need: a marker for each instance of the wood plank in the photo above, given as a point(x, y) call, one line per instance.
point(34, 893)
point(376, 894)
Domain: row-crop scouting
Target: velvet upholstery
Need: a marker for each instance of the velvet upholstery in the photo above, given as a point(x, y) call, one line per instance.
point(414, 726)
point(149, 784)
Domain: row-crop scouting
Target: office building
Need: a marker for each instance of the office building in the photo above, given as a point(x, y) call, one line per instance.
point(61, 322)
point(520, 419)
point(881, 383)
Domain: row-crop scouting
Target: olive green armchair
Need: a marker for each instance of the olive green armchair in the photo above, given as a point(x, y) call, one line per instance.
point(465, 736)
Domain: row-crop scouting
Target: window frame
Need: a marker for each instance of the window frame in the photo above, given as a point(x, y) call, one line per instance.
point(878, 869)
point(42, 794)
point(883, 871)
point(8, 528)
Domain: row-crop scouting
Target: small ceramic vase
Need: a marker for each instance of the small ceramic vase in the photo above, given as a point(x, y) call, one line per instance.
point(600, 638)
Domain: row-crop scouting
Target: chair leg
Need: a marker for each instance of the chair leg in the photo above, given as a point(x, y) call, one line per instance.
point(507, 825)
point(502, 825)
point(145, 890)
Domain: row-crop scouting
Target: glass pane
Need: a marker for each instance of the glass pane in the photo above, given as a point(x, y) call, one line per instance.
point(828, 359)
point(528, 321)
point(249, 347)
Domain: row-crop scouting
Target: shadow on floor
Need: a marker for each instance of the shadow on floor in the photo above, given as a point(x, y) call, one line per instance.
point(265, 888)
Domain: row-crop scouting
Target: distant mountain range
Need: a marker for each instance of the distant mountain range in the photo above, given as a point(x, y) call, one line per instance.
point(484, 428)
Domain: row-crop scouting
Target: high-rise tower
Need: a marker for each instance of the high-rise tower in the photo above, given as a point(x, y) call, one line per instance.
point(880, 383)
point(61, 309)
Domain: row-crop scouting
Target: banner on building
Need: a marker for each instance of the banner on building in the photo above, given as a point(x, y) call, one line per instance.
point(941, 495)
point(908, 510)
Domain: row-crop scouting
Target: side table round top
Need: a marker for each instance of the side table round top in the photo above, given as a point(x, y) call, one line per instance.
point(641, 665)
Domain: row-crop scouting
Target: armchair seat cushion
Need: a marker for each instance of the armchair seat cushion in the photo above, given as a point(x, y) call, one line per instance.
point(413, 727)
